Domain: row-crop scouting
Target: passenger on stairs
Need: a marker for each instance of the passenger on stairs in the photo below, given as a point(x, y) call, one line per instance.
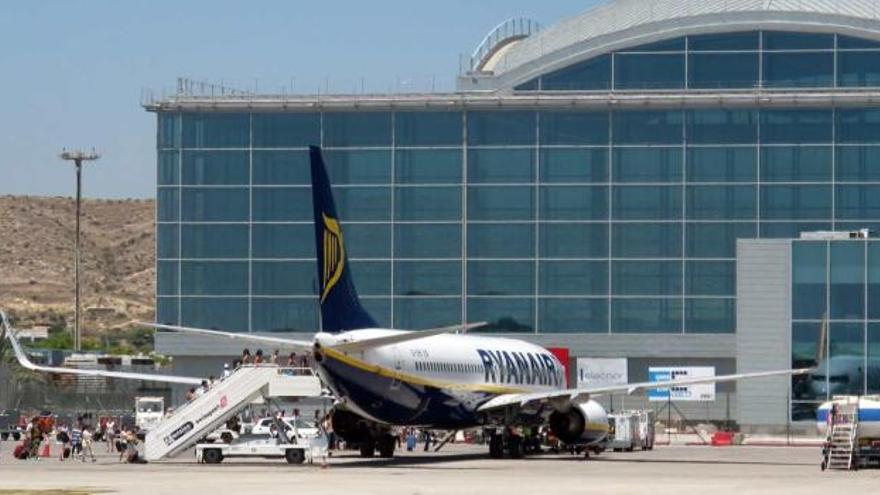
point(226, 371)
point(274, 357)
point(246, 357)
point(258, 358)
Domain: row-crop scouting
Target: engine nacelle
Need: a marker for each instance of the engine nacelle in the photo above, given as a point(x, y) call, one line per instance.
point(581, 424)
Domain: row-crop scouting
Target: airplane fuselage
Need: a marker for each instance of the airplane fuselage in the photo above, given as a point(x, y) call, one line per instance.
point(437, 381)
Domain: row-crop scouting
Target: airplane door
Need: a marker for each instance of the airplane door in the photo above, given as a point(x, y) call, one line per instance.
point(398, 368)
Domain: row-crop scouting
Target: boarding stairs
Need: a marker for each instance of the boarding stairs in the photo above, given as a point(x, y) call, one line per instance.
point(226, 398)
point(841, 441)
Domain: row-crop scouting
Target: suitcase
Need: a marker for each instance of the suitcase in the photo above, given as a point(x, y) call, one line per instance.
point(20, 452)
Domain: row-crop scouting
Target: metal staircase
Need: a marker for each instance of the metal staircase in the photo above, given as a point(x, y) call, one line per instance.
point(841, 440)
point(204, 414)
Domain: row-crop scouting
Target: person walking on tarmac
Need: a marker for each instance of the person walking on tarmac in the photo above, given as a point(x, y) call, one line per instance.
point(76, 438)
point(110, 434)
point(87, 444)
point(63, 438)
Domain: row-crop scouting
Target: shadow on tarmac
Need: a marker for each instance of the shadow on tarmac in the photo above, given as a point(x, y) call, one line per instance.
point(713, 462)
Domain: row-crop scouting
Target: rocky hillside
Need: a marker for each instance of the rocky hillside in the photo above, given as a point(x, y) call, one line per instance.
point(36, 260)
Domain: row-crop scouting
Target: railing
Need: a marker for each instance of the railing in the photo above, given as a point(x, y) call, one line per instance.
point(507, 31)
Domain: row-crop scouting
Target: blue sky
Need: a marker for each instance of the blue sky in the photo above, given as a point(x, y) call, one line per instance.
point(72, 72)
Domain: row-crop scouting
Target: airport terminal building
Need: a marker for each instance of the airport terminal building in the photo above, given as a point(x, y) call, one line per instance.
point(632, 182)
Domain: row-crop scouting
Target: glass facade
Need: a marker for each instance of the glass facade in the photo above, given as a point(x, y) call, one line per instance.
point(837, 282)
point(537, 221)
point(767, 59)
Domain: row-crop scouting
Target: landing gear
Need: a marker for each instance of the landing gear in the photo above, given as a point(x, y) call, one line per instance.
point(509, 442)
point(368, 448)
point(386, 444)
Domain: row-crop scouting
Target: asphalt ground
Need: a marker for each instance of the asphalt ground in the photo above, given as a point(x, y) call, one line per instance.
point(457, 470)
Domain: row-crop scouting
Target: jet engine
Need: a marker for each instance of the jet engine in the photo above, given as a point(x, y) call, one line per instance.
point(580, 424)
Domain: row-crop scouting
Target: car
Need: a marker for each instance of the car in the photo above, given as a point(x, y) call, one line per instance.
point(263, 427)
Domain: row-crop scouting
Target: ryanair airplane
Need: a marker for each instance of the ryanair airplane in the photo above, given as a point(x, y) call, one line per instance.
point(438, 378)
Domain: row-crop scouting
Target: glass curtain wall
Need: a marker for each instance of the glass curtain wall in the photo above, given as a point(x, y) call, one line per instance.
point(739, 60)
point(837, 281)
point(536, 221)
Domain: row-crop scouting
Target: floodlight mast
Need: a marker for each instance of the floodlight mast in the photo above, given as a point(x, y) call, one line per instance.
point(77, 157)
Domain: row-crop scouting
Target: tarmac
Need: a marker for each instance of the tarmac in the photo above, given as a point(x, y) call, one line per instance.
point(457, 469)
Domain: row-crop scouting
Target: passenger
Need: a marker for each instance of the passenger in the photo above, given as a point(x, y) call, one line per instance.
point(411, 440)
point(304, 364)
point(428, 439)
point(202, 389)
point(122, 444)
point(246, 357)
point(274, 357)
point(190, 394)
point(291, 360)
point(76, 441)
point(131, 444)
point(63, 438)
point(258, 358)
point(211, 381)
point(110, 434)
point(226, 371)
point(328, 430)
point(87, 444)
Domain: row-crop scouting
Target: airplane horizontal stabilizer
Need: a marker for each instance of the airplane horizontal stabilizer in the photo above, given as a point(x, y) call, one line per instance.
point(299, 345)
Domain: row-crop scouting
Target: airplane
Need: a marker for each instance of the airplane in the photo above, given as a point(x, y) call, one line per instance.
point(441, 378)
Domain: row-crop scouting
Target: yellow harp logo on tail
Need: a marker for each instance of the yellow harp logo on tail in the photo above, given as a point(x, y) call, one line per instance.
point(334, 255)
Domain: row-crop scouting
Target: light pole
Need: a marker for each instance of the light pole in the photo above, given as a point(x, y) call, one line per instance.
point(77, 157)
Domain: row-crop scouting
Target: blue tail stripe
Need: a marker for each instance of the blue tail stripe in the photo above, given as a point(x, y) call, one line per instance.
point(341, 308)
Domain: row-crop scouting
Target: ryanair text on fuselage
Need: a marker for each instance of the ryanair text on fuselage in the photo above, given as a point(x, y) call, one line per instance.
point(520, 368)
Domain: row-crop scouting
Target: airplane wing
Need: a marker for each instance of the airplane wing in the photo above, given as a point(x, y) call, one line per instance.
point(299, 345)
point(26, 363)
point(359, 345)
point(583, 394)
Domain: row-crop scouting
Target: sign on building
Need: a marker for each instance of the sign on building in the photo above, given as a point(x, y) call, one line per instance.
point(601, 372)
point(704, 392)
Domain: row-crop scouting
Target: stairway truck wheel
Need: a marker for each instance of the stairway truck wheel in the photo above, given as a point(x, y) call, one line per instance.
point(212, 456)
point(368, 448)
point(386, 446)
point(295, 456)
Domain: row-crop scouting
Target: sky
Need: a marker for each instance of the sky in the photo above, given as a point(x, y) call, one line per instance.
point(73, 72)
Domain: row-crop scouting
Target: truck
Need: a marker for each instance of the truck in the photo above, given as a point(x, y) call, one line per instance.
point(148, 412)
point(630, 429)
point(253, 446)
point(11, 425)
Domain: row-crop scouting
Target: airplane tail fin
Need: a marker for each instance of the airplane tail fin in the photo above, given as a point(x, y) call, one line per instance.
point(341, 309)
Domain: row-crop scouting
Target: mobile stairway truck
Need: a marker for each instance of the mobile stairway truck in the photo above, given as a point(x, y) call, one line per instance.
point(852, 434)
point(194, 420)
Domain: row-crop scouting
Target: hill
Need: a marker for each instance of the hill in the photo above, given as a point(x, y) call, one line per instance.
point(117, 267)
